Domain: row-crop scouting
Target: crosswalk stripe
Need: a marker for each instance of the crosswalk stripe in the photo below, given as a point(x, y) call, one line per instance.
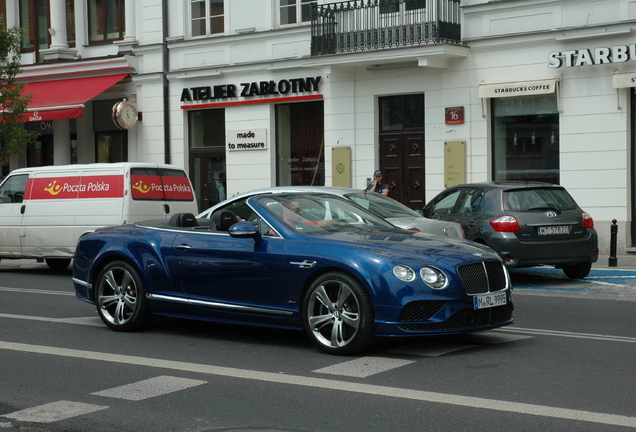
point(149, 388)
point(364, 367)
point(54, 411)
point(436, 348)
point(89, 321)
point(423, 350)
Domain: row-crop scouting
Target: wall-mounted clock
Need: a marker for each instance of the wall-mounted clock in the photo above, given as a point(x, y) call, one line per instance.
point(125, 114)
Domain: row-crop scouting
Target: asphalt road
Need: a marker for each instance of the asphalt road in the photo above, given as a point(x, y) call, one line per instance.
point(566, 364)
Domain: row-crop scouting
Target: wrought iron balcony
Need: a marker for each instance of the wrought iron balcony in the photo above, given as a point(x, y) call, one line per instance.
point(359, 25)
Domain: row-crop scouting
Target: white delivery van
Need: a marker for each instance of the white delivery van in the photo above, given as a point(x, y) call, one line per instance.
point(45, 210)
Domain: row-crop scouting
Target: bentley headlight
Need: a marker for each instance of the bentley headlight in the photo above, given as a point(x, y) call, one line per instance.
point(433, 277)
point(404, 273)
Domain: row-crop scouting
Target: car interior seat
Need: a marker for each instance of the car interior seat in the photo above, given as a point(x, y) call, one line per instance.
point(223, 220)
point(183, 220)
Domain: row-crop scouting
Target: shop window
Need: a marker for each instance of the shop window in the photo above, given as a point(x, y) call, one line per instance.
point(300, 144)
point(526, 138)
point(40, 153)
point(207, 17)
point(295, 11)
point(207, 128)
point(111, 147)
point(106, 19)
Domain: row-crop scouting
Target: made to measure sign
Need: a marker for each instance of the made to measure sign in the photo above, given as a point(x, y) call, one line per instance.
point(247, 139)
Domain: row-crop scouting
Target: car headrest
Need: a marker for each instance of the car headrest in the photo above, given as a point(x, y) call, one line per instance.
point(224, 220)
point(183, 220)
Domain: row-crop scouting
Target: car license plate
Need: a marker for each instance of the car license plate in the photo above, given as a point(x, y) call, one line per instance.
point(489, 300)
point(553, 230)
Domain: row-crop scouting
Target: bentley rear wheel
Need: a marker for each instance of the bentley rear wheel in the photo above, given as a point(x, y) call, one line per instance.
point(120, 298)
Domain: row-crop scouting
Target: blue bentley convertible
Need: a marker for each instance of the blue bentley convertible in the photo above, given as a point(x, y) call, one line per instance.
point(294, 260)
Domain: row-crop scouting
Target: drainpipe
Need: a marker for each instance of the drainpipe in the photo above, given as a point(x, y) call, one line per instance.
point(166, 84)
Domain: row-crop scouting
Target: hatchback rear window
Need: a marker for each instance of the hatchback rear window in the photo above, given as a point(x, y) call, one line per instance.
point(538, 199)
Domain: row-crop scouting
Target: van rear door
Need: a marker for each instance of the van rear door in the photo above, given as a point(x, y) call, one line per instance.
point(158, 192)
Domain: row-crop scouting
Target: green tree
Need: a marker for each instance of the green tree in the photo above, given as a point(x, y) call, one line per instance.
point(13, 105)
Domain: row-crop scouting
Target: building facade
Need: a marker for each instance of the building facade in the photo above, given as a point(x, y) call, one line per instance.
point(255, 93)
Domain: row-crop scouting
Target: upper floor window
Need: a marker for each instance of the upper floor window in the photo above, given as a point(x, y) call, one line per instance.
point(397, 6)
point(106, 20)
point(295, 11)
point(70, 22)
point(3, 12)
point(207, 17)
point(34, 20)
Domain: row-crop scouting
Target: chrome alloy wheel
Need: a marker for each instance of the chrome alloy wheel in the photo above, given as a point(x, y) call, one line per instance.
point(117, 296)
point(120, 297)
point(338, 314)
point(333, 314)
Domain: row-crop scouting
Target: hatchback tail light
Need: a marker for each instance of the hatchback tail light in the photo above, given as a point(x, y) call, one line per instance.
point(588, 222)
point(505, 224)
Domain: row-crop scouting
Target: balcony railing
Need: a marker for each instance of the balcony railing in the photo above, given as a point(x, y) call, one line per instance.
point(359, 25)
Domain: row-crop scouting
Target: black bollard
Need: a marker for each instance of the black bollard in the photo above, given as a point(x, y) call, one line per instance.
point(613, 261)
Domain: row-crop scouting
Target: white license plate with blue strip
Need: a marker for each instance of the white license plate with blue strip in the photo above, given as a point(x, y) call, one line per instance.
point(489, 300)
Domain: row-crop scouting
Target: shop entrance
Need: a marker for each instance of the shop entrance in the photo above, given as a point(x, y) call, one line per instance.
point(207, 156)
point(207, 173)
point(402, 148)
point(632, 93)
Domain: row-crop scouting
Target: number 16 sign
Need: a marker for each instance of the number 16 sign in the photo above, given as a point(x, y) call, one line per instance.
point(454, 115)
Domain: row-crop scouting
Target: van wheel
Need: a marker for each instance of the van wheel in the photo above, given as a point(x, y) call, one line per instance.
point(121, 298)
point(57, 264)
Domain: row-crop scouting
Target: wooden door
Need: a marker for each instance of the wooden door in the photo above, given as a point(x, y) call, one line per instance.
point(402, 165)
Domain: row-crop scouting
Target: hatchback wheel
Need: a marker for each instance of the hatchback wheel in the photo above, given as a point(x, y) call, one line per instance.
point(120, 298)
point(577, 271)
point(338, 314)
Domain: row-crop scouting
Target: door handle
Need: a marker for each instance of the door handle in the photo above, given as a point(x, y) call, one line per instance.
point(183, 247)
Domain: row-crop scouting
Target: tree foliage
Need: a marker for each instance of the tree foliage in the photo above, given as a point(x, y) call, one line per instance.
point(13, 104)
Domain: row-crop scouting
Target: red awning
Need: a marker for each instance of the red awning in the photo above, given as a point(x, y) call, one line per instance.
point(66, 98)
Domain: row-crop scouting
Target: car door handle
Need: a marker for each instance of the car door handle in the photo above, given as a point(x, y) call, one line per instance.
point(183, 247)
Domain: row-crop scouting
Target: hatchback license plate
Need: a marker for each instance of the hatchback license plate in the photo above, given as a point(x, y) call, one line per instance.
point(553, 230)
point(489, 300)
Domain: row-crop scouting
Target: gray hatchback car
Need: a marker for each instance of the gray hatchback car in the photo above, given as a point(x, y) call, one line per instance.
point(526, 223)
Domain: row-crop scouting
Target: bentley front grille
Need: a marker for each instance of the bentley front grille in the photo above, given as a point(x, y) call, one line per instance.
point(483, 277)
